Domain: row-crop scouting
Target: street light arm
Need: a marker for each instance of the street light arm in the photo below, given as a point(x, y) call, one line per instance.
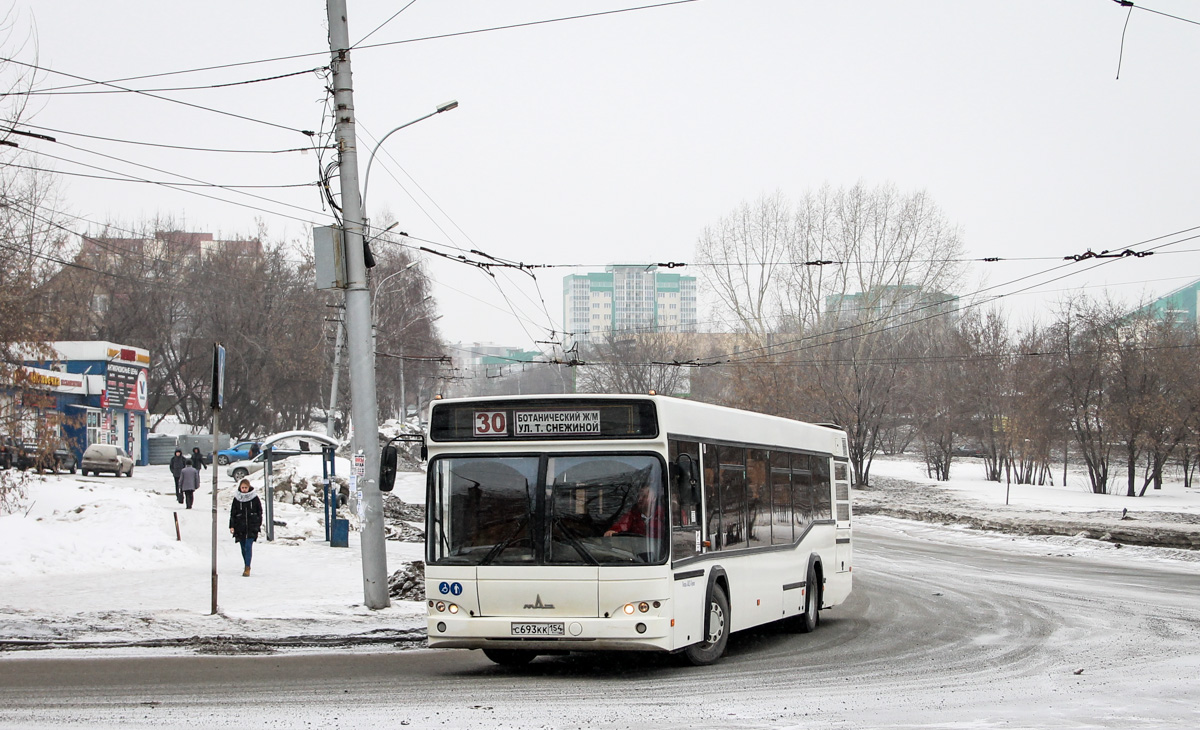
point(445, 107)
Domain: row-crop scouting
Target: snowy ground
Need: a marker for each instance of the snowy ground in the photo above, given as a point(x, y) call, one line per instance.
point(1169, 517)
point(95, 560)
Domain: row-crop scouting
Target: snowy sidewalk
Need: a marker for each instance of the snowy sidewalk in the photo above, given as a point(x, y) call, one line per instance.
point(96, 561)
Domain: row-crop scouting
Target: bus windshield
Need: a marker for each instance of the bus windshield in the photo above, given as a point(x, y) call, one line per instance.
point(595, 509)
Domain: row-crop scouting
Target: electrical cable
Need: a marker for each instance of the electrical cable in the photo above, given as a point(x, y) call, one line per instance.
point(68, 92)
point(161, 98)
point(380, 26)
point(313, 54)
point(160, 145)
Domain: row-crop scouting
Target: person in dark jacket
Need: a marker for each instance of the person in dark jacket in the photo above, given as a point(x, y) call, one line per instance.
point(178, 461)
point(189, 482)
point(198, 459)
point(245, 520)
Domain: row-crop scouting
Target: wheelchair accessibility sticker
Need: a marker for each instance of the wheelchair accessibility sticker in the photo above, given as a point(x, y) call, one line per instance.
point(454, 588)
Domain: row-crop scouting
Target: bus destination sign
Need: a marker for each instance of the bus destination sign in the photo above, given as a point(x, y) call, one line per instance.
point(532, 419)
point(551, 423)
point(490, 424)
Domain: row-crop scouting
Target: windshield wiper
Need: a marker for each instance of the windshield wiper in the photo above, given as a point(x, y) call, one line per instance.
point(573, 541)
point(503, 545)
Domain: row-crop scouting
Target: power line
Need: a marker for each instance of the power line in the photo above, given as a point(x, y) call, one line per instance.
point(162, 145)
point(528, 24)
point(68, 91)
point(201, 107)
point(380, 26)
point(314, 54)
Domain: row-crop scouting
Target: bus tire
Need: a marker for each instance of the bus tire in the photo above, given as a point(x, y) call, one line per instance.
point(717, 622)
point(808, 621)
point(510, 657)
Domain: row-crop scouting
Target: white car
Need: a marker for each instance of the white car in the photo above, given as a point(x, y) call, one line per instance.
point(240, 469)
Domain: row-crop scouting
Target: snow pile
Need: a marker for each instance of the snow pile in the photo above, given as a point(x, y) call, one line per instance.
point(404, 522)
point(77, 526)
point(408, 583)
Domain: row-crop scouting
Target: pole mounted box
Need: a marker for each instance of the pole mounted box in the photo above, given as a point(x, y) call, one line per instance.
point(329, 257)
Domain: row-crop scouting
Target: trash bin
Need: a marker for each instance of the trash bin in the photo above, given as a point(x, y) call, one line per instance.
point(340, 537)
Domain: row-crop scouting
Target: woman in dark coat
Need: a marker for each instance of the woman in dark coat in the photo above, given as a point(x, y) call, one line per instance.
point(245, 520)
point(178, 461)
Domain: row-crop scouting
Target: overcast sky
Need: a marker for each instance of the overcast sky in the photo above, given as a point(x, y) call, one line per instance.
point(618, 138)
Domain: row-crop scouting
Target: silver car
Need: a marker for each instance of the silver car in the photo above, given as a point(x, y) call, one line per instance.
point(240, 469)
point(106, 457)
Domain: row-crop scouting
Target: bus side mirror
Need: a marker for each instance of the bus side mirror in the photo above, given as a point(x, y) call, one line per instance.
point(387, 468)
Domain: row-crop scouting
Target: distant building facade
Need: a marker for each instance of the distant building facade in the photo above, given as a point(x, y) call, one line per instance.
point(1181, 304)
point(627, 299)
point(902, 304)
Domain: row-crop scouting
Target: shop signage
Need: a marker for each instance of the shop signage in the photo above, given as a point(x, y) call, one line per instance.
point(125, 387)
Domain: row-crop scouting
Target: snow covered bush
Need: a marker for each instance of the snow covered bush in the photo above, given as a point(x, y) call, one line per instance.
point(12, 490)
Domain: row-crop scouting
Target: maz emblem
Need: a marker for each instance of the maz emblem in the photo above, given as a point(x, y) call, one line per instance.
point(538, 603)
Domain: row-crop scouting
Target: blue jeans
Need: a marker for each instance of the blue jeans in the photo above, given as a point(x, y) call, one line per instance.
point(247, 550)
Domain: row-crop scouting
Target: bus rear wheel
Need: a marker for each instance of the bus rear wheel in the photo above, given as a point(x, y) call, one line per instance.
point(510, 657)
point(811, 618)
point(713, 646)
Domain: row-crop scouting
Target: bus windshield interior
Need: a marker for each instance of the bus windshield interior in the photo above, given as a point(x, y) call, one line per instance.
point(596, 509)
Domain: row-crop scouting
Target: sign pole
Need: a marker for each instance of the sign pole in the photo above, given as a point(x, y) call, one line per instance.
point(218, 399)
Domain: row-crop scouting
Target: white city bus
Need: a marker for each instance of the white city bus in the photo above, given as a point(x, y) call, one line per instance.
point(624, 522)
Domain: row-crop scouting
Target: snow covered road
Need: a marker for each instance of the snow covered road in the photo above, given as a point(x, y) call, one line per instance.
point(944, 627)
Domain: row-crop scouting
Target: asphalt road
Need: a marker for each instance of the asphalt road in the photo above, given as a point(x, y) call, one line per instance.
point(938, 630)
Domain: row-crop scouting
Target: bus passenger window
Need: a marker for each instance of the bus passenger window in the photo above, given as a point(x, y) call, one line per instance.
point(758, 496)
point(781, 499)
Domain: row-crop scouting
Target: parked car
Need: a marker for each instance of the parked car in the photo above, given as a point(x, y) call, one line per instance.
point(976, 452)
point(106, 457)
point(26, 454)
point(240, 469)
point(239, 452)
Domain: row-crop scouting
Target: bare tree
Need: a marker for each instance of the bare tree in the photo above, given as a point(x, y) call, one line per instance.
point(743, 258)
point(409, 352)
point(623, 363)
point(863, 265)
point(1083, 338)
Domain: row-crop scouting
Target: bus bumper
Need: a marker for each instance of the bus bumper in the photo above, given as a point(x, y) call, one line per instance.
point(578, 634)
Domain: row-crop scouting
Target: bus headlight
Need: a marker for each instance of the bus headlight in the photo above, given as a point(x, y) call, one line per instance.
point(441, 606)
point(453, 608)
point(629, 609)
point(643, 607)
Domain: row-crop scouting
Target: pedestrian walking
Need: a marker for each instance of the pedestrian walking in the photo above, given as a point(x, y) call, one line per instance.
point(245, 520)
point(198, 459)
point(189, 482)
point(178, 461)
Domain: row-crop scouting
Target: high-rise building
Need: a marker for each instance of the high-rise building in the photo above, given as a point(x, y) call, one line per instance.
point(627, 300)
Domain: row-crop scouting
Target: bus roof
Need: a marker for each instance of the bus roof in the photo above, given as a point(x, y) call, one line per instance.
point(678, 417)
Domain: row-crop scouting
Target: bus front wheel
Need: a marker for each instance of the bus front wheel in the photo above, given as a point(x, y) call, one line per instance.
point(713, 646)
point(510, 657)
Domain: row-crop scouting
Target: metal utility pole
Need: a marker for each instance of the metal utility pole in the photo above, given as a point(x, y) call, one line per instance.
point(337, 371)
point(364, 409)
